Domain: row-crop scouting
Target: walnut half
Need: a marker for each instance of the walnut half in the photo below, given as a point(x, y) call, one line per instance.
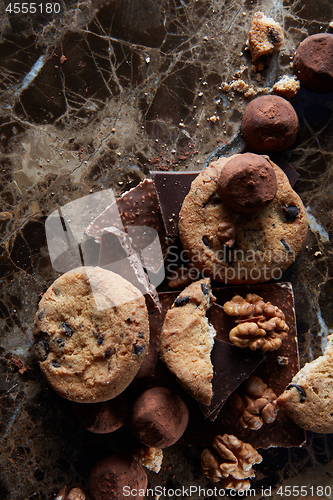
point(231, 463)
point(260, 325)
point(253, 404)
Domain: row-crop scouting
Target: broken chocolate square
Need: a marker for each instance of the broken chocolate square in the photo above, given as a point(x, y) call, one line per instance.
point(232, 366)
point(171, 189)
point(137, 207)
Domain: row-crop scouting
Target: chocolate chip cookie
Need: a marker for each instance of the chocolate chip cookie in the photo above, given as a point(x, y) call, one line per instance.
point(91, 334)
point(241, 248)
point(308, 399)
point(187, 339)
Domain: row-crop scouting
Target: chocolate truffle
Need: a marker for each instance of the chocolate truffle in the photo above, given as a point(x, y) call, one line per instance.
point(269, 124)
point(247, 183)
point(116, 477)
point(102, 418)
point(159, 417)
point(313, 63)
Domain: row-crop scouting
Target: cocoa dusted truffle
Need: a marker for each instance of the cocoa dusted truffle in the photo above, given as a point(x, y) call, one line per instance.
point(159, 417)
point(247, 183)
point(102, 418)
point(269, 124)
point(313, 63)
point(116, 477)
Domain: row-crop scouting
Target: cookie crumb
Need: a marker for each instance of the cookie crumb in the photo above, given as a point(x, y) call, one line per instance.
point(265, 36)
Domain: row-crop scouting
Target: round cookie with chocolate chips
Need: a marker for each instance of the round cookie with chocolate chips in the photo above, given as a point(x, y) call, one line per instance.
point(308, 399)
point(244, 238)
point(91, 334)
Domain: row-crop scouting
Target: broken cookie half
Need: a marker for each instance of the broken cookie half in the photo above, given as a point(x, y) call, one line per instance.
point(187, 339)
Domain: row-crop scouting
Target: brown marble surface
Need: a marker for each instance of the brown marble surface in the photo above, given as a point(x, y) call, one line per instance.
point(93, 98)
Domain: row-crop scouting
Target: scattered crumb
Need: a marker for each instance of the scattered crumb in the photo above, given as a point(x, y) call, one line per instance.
point(151, 458)
point(287, 87)
point(265, 35)
point(242, 87)
point(20, 365)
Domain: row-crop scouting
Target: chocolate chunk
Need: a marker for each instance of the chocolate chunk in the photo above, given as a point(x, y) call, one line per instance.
point(60, 342)
point(100, 341)
point(301, 391)
point(138, 349)
point(55, 364)
point(206, 242)
point(290, 213)
point(68, 331)
point(41, 314)
point(42, 349)
point(204, 289)
point(171, 189)
point(181, 301)
point(107, 353)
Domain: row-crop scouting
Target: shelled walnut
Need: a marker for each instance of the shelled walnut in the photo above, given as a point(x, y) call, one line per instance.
point(254, 404)
point(261, 325)
point(235, 469)
point(226, 234)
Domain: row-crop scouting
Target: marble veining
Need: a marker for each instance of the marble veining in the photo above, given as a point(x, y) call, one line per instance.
point(92, 99)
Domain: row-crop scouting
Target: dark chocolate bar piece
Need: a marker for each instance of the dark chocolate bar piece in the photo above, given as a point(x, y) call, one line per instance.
point(232, 366)
point(290, 172)
point(137, 207)
point(171, 189)
point(117, 255)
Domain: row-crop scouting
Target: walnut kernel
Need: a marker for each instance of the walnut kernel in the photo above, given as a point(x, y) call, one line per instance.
point(226, 234)
point(260, 325)
point(236, 467)
point(254, 404)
